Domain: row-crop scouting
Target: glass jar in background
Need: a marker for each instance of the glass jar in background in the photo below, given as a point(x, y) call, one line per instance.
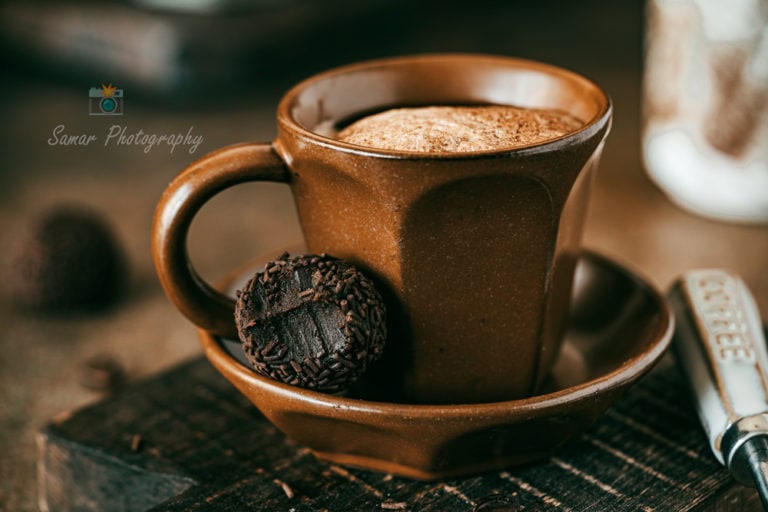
point(705, 133)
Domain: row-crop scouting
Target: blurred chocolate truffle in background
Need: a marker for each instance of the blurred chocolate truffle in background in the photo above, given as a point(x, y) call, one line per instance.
point(311, 321)
point(67, 260)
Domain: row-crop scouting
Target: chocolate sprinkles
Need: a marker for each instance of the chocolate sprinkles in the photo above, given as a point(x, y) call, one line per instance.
point(311, 321)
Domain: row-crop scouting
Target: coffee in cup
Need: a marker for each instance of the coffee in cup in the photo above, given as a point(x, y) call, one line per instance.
point(439, 129)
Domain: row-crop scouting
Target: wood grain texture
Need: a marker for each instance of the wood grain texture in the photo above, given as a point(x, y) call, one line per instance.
point(204, 447)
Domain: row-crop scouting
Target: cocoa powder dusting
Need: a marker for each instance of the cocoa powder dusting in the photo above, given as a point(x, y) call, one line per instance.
point(458, 129)
point(738, 104)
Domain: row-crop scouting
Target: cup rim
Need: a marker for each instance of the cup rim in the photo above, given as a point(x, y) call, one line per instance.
point(602, 118)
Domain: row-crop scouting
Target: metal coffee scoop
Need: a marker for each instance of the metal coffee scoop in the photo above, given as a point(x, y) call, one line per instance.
point(719, 341)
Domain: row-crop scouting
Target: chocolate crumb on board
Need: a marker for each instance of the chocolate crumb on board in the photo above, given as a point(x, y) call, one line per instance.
point(394, 505)
point(136, 443)
point(312, 321)
point(285, 487)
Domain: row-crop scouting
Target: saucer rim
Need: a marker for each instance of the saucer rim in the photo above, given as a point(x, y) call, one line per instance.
point(629, 371)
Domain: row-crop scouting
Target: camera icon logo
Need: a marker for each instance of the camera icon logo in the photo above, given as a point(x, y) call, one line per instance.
point(106, 101)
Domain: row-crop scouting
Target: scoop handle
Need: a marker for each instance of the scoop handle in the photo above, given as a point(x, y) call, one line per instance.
point(720, 344)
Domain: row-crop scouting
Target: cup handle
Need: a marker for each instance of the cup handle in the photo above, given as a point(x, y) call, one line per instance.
point(205, 306)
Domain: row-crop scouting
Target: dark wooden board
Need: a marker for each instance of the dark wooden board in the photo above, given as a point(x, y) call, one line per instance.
point(204, 447)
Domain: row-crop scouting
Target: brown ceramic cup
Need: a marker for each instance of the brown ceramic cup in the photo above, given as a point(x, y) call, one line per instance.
point(475, 252)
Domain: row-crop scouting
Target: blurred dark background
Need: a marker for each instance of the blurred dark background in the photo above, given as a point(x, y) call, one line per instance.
point(212, 51)
point(219, 68)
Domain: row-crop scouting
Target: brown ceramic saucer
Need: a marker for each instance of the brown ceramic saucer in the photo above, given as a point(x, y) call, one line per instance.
point(619, 328)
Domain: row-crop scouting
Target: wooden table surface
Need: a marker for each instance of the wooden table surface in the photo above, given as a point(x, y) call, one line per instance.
point(629, 219)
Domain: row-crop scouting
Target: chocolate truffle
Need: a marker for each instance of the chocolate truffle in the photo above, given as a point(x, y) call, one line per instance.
point(311, 321)
point(69, 259)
